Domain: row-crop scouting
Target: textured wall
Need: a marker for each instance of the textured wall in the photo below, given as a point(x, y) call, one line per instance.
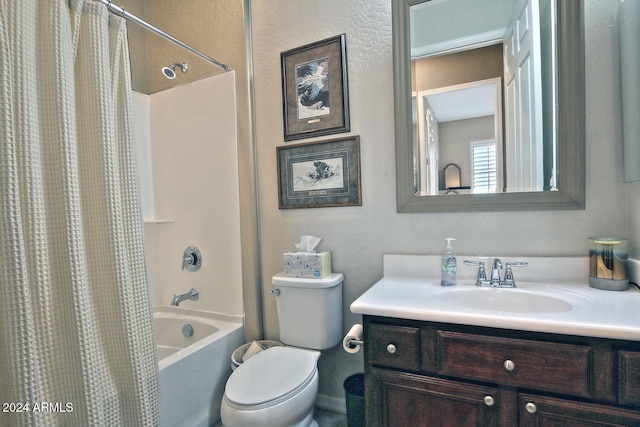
point(215, 28)
point(457, 68)
point(358, 236)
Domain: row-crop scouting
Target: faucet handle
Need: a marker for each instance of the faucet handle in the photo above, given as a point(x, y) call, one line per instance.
point(482, 275)
point(481, 280)
point(188, 260)
point(509, 281)
point(191, 259)
point(518, 264)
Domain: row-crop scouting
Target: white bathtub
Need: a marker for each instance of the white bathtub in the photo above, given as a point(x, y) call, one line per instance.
point(194, 370)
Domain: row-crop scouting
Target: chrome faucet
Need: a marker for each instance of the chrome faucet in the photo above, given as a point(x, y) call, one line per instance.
point(507, 282)
point(192, 295)
point(495, 272)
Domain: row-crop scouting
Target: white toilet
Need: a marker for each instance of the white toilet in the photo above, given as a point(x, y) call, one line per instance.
point(278, 387)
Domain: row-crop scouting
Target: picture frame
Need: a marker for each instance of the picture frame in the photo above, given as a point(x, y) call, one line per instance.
point(315, 94)
point(320, 174)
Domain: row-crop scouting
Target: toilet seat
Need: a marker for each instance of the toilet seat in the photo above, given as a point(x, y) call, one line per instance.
point(270, 377)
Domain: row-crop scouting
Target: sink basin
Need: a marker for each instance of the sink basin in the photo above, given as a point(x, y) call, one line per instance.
point(513, 300)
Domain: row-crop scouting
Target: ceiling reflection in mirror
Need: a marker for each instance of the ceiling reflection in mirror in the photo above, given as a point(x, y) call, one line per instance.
point(484, 95)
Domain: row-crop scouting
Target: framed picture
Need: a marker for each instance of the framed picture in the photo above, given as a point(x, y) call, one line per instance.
point(320, 174)
point(314, 86)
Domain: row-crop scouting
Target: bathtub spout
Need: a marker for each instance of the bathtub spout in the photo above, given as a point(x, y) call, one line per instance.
point(177, 299)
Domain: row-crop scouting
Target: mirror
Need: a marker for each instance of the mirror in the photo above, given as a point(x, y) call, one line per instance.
point(558, 172)
point(629, 26)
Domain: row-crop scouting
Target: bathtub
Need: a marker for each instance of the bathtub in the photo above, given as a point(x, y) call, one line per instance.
point(195, 369)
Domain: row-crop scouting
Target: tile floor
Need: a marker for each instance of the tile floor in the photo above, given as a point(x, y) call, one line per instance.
point(329, 419)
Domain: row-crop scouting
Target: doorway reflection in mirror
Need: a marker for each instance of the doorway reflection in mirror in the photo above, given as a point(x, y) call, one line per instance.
point(514, 48)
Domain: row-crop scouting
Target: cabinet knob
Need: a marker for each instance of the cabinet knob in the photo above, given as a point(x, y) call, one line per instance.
point(391, 348)
point(489, 400)
point(531, 407)
point(509, 365)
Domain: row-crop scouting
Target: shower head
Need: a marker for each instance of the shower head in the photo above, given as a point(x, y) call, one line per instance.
point(170, 71)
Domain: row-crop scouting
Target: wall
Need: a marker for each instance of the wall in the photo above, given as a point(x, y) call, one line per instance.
point(455, 144)
point(142, 120)
point(457, 68)
point(214, 28)
point(193, 147)
point(359, 236)
point(633, 218)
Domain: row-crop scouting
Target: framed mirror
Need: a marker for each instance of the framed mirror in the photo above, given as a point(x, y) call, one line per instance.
point(554, 172)
point(629, 16)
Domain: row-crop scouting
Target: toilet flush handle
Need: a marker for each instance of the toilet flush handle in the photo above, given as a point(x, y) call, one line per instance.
point(275, 292)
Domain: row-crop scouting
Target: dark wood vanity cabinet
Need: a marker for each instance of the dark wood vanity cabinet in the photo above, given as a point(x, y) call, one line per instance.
point(434, 374)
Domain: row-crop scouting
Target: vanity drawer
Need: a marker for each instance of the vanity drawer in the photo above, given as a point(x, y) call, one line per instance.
point(394, 346)
point(552, 367)
point(629, 378)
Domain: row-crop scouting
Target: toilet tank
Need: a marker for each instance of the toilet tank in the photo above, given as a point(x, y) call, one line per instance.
point(309, 310)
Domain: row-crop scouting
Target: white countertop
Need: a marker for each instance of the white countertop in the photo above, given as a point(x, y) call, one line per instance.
point(407, 292)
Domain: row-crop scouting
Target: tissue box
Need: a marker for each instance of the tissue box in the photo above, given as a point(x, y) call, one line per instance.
point(308, 265)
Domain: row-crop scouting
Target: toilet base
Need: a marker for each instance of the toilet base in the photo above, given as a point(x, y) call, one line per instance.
point(282, 414)
point(308, 421)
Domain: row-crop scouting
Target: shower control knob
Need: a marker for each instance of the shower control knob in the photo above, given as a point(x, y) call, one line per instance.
point(191, 259)
point(391, 348)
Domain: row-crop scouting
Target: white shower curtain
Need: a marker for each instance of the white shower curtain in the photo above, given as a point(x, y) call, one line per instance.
point(77, 345)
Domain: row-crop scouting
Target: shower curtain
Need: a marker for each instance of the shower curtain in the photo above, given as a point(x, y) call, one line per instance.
point(77, 345)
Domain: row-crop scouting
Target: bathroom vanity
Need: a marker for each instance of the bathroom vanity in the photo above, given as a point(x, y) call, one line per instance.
point(429, 373)
point(472, 356)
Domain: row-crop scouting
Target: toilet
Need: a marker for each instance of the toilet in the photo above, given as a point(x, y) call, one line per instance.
point(278, 386)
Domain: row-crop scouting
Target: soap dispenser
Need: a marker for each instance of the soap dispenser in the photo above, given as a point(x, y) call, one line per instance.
point(449, 264)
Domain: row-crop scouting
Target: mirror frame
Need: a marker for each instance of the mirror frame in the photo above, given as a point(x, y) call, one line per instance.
point(570, 126)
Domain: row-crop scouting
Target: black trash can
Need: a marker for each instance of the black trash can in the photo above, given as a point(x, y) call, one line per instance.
point(354, 393)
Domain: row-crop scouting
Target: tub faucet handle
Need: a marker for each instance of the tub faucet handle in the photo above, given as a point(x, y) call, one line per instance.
point(191, 259)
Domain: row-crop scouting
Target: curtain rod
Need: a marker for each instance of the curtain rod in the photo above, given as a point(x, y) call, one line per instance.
point(117, 10)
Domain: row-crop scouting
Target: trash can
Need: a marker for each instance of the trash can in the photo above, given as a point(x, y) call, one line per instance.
point(354, 393)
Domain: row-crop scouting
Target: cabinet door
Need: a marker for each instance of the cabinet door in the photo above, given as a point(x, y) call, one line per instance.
point(629, 377)
point(401, 399)
point(549, 412)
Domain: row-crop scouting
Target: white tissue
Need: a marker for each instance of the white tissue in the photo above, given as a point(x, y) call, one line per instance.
point(253, 349)
point(308, 243)
point(355, 333)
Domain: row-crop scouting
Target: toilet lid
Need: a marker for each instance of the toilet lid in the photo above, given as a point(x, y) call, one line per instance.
point(269, 375)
